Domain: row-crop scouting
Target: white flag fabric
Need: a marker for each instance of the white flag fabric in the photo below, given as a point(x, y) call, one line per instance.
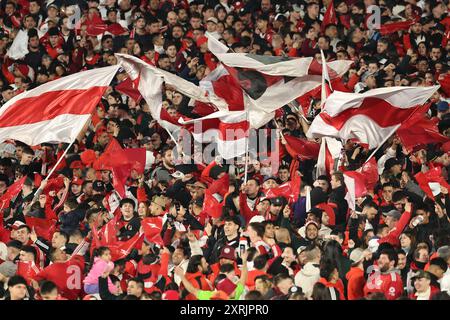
point(55, 111)
point(229, 129)
point(19, 47)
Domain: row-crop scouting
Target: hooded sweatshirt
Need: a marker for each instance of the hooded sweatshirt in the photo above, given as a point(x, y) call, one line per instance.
point(355, 284)
point(307, 277)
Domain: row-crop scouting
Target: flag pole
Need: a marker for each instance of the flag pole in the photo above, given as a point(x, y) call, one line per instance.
point(39, 190)
point(246, 152)
point(383, 142)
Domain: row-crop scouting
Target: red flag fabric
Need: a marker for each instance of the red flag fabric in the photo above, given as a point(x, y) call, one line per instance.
point(13, 191)
point(445, 84)
point(152, 227)
point(44, 228)
point(123, 248)
point(116, 29)
point(114, 157)
point(127, 87)
point(428, 181)
point(370, 172)
point(211, 206)
point(330, 16)
point(419, 131)
point(289, 190)
point(359, 182)
point(136, 158)
point(305, 149)
point(54, 184)
point(369, 117)
point(388, 28)
point(96, 29)
point(220, 186)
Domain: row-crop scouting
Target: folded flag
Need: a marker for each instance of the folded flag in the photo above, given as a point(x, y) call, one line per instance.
point(55, 111)
point(370, 117)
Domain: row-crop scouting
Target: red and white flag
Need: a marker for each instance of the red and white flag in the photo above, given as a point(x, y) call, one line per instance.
point(326, 81)
point(271, 82)
point(329, 156)
point(149, 81)
point(356, 187)
point(55, 111)
point(229, 129)
point(431, 181)
point(370, 117)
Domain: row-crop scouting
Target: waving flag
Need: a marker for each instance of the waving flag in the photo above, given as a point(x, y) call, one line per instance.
point(152, 229)
point(121, 162)
point(370, 117)
point(370, 172)
point(419, 131)
point(149, 81)
point(356, 187)
point(302, 148)
point(55, 111)
point(388, 28)
point(326, 81)
point(329, 17)
point(329, 156)
point(12, 192)
point(271, 82)
point(229, 129)
point(431, 181)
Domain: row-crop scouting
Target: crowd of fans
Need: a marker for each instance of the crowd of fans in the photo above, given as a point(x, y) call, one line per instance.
point(395, 245)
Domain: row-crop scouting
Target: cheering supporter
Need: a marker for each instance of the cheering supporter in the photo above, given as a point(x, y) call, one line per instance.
point(116, 202)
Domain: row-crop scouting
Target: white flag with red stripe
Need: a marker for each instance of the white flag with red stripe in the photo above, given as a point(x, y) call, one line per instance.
point(55, 111)
point(229, 129)
point(149, 81)
point(370, 117)
point(271, 82)
point(356, 187)
point(329, 153)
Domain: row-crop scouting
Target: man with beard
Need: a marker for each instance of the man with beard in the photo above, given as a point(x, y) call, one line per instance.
point(385, 279)
point(196, 273)
point(35, 50)
point(230, 238)
point(167, 167)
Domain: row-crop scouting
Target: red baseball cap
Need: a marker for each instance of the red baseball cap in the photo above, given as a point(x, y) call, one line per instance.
point(77, 181)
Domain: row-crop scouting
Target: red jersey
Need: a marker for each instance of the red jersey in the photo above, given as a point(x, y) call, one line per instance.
point(390, 284)
point(68, 276)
